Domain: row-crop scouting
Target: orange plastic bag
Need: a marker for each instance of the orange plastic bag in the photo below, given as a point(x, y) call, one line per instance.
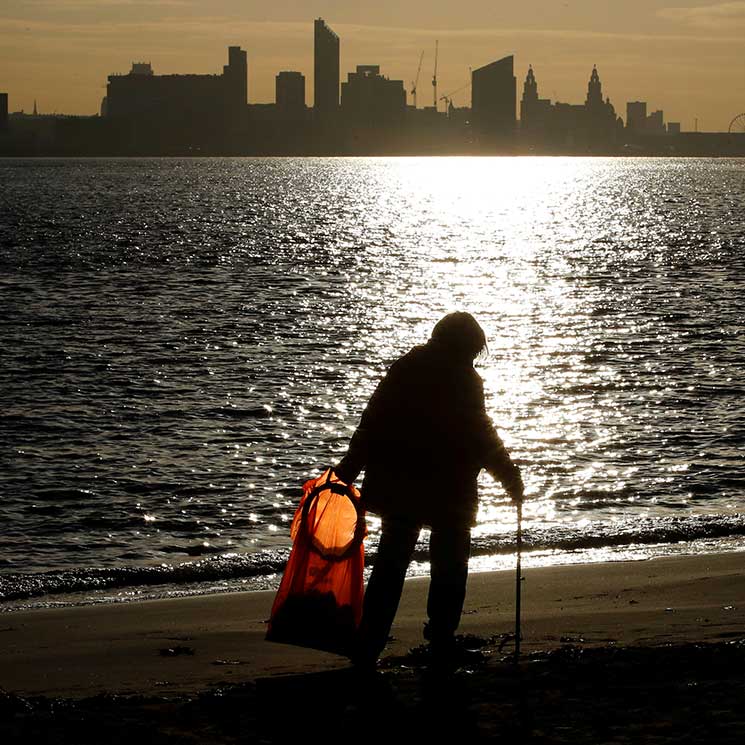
point(319, 601)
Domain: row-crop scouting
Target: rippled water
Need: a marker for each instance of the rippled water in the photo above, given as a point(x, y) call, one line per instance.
point(185, 341)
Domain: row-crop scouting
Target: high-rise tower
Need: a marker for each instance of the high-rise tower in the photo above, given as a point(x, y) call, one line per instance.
point(369, 99)
point(326, 69)
point(494, 94)
point(636, 116)
point(290, 87)
point(235, 74)
point(3, 111)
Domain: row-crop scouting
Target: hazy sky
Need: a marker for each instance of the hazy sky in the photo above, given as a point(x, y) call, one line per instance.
point(686, 57)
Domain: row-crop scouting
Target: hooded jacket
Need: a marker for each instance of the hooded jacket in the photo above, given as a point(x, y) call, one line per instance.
point(423, 439)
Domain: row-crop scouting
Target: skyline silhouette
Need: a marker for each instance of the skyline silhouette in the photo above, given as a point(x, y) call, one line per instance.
point(683, 60)
point(144, 113)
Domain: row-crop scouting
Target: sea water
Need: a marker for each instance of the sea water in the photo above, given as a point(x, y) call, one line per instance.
point(185, 341)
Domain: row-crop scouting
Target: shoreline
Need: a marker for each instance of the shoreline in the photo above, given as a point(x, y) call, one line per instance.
point(479, 564)
point(216, 640)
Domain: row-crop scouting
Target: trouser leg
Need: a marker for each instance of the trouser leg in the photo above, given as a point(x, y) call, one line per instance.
point(449, 549)
point(397, 543)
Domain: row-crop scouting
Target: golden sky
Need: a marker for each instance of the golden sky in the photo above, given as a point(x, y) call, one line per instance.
point(683, 56)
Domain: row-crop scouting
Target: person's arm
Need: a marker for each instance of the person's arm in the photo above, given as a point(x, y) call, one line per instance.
point(495, 457)
point(503, 469)
point(354, 461)
point(348, 469)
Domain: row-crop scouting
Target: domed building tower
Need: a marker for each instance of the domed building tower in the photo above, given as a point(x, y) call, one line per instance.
point(530, 90)
point(594, 90)
point(534, 112)
point(600, 116)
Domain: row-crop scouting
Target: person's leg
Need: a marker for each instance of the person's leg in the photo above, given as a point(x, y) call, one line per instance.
point(449, 549)
point(397, 541)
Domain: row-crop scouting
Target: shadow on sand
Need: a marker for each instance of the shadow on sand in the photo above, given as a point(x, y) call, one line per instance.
point(671, 694)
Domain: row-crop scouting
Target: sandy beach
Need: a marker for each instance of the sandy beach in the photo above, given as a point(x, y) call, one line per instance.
point(643, 620)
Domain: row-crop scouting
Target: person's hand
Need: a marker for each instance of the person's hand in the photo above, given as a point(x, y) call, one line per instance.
point(343, 473)
point(516, 489)
point(517, 495)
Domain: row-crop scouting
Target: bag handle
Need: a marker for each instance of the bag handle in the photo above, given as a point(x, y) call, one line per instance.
point(336, 487)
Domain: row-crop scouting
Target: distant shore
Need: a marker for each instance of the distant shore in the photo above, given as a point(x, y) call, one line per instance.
point(718, 148)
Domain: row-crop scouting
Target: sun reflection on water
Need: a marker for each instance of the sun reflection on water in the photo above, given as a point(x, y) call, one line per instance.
point(547, 254)
point(206, 364)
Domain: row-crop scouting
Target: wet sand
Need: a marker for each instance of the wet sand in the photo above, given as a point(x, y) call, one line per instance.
point(618, 638)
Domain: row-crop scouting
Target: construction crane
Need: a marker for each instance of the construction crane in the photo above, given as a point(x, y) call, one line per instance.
point(434, 77)
point(449, 97)
point(416, 82)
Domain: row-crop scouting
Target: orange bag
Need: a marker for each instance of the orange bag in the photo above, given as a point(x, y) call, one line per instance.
point(319, 601)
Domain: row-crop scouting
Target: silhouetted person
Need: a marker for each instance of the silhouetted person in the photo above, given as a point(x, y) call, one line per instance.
point(422, 441)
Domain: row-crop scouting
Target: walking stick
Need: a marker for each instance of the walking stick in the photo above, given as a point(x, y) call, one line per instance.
point(518, 579)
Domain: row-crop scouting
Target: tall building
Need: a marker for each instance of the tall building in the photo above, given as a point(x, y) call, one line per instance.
point(494, 95)
point(636, 116)
point(235, 77)
point(638, 122)
point(3, 111)
point(325, 69)
point(179, 98)
point(290, 95)
point(656, 123)
point(369, 99)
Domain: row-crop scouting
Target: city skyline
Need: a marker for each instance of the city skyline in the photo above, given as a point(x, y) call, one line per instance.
point(645, 51)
